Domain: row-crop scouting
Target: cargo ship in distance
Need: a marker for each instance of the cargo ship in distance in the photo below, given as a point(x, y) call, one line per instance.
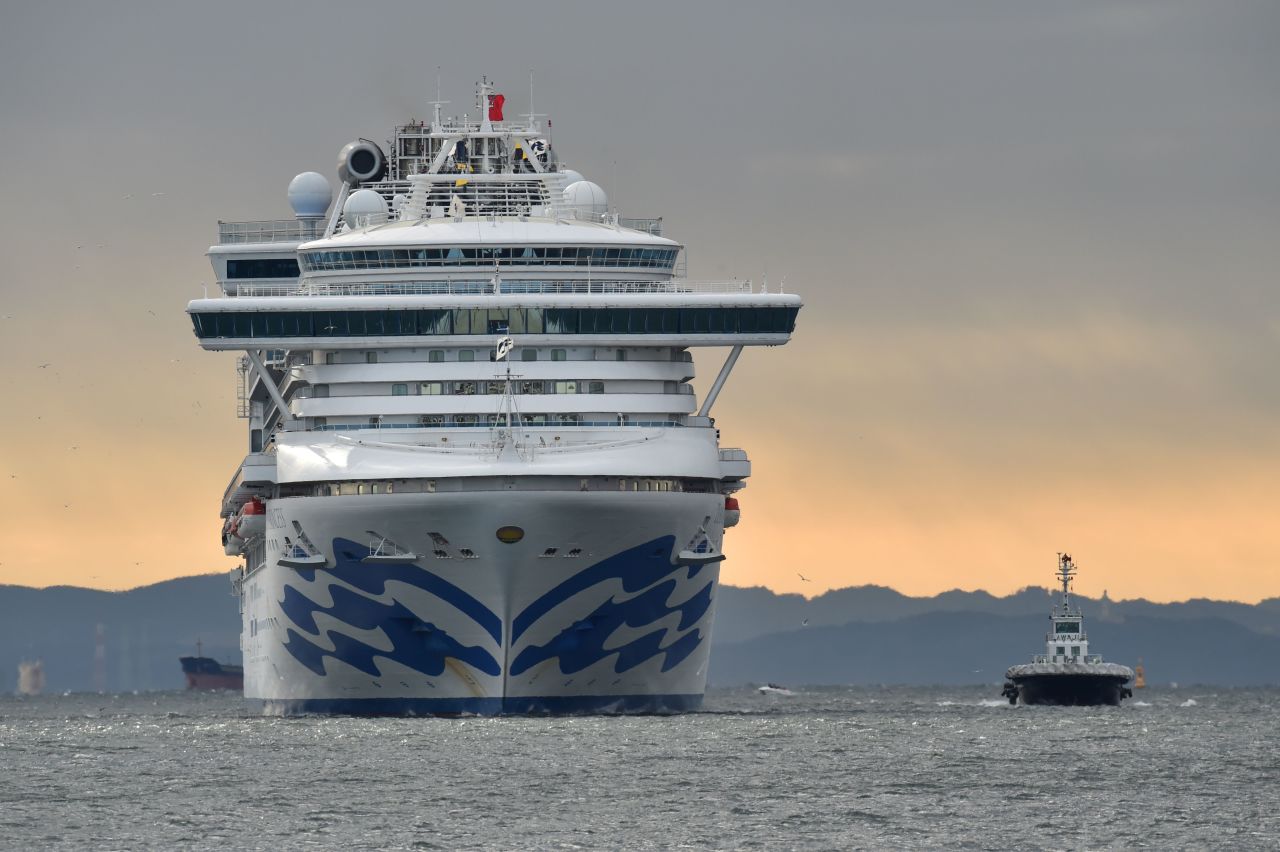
point(207, 673)
point(1067, 673)
point(478, 478)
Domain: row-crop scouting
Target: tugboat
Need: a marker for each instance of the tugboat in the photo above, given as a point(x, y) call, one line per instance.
point(1067, 673)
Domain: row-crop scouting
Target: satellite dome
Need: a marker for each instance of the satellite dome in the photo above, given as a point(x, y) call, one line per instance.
point(570, 176)
point(309, 195)
point(586, 197)
point(364, 207)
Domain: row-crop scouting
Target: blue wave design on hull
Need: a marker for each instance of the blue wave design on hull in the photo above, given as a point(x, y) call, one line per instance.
point(416, 644)
point(581, 645)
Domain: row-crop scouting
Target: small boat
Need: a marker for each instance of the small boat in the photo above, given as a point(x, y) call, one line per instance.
point(1067, 673)
point(774, 689)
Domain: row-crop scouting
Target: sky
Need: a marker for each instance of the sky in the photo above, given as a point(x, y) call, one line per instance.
point(1037, 244)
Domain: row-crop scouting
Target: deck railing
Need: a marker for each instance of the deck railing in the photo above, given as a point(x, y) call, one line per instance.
point(486, 286)
point(270, 231)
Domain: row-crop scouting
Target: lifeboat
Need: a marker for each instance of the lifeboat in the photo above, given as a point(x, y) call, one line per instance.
point(251, 520)
point(731, 513)
point(232, 545)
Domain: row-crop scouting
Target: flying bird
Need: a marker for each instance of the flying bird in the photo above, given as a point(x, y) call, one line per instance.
point(803, 577)
point(43, 366)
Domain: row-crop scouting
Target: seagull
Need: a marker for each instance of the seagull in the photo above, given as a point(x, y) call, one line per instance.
point(804, 623)
point(153, 313)
point(803, 577)
point(330, 327)
point(43, 366)
point(74, 447)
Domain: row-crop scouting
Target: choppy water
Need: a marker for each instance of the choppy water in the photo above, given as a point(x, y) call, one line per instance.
point(826, 769)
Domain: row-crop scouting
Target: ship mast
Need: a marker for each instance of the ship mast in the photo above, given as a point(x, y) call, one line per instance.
point(1066, 570)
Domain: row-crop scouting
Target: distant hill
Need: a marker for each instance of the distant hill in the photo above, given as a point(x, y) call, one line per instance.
point(970, 647)
point(863, 634)
point(745, 613)
point(145, 631)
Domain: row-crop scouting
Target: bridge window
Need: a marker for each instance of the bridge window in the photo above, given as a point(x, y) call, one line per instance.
point(468, 321)
point(399, 389)
point(262, 267)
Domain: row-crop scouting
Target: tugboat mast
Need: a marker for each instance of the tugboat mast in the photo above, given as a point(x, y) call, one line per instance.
point(1066, 571)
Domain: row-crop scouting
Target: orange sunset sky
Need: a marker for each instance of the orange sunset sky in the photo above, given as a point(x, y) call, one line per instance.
point(1038, 246)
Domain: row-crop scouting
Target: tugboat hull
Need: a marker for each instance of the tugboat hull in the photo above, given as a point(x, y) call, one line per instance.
point(1067, 689)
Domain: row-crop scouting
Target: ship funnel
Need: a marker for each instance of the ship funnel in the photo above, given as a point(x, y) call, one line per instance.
point(361, 161)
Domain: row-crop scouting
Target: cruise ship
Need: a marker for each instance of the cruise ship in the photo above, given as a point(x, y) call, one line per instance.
point(478, 479)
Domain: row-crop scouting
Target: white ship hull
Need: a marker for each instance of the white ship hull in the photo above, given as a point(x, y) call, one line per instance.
point(614, 621)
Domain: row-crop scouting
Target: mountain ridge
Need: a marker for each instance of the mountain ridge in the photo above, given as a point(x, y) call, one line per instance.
point(890, 636)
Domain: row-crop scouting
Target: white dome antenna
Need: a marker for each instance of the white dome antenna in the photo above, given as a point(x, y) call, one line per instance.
point(309, 195)
point(585, 197)
point(364, 207)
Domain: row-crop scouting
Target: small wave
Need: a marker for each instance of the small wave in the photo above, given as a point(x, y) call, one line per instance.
point(1190, 702)
point(1140, 704)
point(993, 702)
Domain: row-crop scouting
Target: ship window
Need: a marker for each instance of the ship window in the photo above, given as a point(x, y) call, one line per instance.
point(268, 324)
point(435, 356)
point(621, 355)
point(464, 388)
point(494, 387)
point(557, 355)
point(566, 387)
point(262, 267)
point(330, 357)
point(1066, 627)
point(597, 387)
point(371, 357)
point(320, 391)
point(529, 355)
point(400, 389)
point(1061, 651)
point(1075, 650)
point(433, 388)
point(466, 355)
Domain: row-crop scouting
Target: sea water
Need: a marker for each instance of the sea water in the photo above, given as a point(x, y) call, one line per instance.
point(827, 768)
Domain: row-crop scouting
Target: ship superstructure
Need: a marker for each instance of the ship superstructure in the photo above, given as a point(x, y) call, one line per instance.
point(478, 477)
point(1067, 673)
